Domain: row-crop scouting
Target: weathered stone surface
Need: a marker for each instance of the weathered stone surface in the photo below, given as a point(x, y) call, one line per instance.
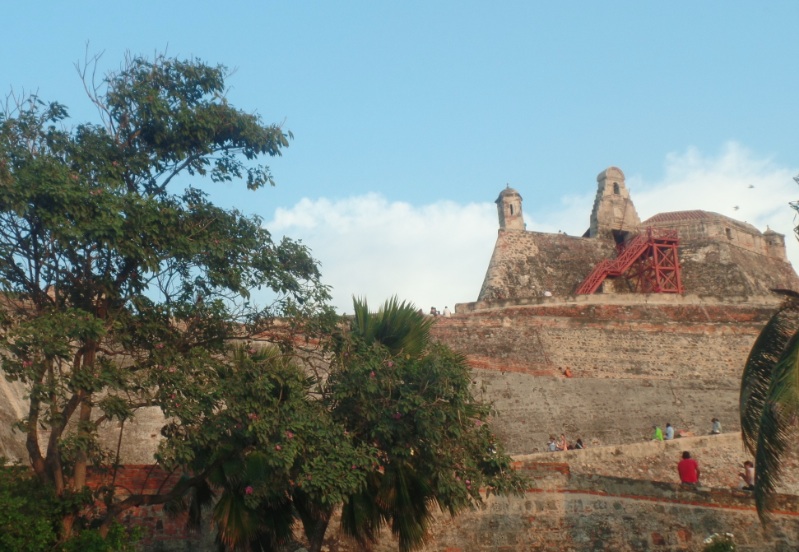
point(719, 256)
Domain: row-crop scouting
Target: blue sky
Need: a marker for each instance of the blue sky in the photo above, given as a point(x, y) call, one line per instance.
point(410, 117)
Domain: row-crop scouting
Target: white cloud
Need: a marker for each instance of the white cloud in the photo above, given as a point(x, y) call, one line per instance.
point(431, 255)
point(437, 254)
point(736, 183)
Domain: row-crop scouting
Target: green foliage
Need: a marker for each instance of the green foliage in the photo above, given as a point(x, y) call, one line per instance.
point(271, 442)
point(769, 399)
point(120, 283)
point(30, 514)
point(122, 287)
point(118, 539)
point(27, 512)
point(412, 400)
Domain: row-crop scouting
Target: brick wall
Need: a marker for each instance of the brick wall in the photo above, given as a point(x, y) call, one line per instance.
point(163, 532)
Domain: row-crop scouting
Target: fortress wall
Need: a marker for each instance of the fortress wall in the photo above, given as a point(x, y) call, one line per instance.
point(621, 498)
point(525, 264)
point(621, 340)
point(140, 434)
point(602, 411)
point(715, 268)
point(603, 513)
point(633, 365)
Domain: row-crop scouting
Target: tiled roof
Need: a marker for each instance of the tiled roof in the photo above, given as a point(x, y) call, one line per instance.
point(675, 216)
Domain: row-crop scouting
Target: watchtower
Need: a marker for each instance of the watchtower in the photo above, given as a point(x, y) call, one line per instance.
point(509, 209)
point(614, 214)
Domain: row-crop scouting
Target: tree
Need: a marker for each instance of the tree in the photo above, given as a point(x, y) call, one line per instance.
point(123, 287)
point(276, 453)
point(120, 282)
point(411, 399)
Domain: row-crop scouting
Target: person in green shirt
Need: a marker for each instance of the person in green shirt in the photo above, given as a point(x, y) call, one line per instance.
point(658, 433)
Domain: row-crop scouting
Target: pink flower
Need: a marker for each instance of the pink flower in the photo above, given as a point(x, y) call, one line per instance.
point(252, 416)
point(397, 415)
point(390, 363)
point(372, 374)
point(289, 435)
point(248, 490)
point(251, 351)
point(278, 447)
point(159, 346)
point(354, 467)
point(27, 363)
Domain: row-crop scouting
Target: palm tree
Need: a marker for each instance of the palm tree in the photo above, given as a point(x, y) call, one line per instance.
point(398, 495)
point(769, 400)
point(411, 399)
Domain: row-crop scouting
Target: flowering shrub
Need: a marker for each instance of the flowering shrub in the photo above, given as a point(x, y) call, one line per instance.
point(720, 543)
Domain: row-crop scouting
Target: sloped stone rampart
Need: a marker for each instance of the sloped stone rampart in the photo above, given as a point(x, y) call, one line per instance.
point(598, 499)
point(632, 365)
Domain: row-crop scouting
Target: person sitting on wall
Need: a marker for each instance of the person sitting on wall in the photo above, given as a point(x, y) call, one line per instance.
point(748, 476)
point(578, 445)
point(688, 468)
point(669, 432)
point(563, 444)
point(716, 427)
point(447, 312)
point(552, 445)
point(658, 436)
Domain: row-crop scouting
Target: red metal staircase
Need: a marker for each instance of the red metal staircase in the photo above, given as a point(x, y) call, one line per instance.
point(648, 261)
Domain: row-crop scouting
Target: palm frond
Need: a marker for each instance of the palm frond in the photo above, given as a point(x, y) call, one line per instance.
point(406, 497)
point(361, 518)
point(757, 375)
point(234, 521)
point(397, 325)
point(776, 425)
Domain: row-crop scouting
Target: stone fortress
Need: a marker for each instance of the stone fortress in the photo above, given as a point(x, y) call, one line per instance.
point(598, 337)
point(636, 357)
point(601, 337)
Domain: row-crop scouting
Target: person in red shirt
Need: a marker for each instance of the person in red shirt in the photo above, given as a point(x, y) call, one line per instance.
point(688, 469)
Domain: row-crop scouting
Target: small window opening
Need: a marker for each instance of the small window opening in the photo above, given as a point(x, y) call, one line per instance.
point(616, 188)
point(729, 233)
point(620, 237)
point(511, 209)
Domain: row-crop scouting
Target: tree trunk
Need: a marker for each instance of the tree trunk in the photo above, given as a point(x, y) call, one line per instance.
point(315, 532)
